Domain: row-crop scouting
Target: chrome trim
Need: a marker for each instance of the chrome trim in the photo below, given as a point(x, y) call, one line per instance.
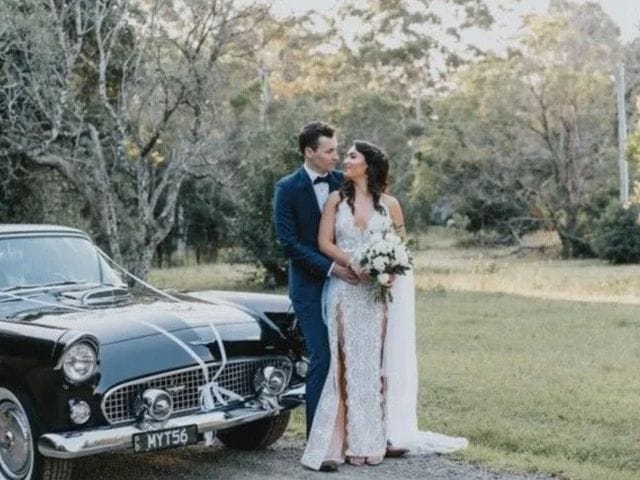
point(81, 443)
point(185, 400)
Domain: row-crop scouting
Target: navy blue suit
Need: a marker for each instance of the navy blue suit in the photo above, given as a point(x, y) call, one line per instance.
point(297, 219)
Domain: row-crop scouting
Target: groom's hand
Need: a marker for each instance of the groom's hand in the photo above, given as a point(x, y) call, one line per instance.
point(345, 274)
point(359, 272)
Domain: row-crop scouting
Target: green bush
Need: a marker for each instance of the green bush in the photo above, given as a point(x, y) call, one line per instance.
point(616, 235)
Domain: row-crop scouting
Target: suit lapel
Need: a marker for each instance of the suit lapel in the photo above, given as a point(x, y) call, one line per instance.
point(308, 188)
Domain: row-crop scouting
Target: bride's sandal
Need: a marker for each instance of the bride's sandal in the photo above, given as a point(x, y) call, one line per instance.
point(375, 460)
point(357, 461)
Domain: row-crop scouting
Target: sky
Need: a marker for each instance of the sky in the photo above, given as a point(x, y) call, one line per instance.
point(508, 14)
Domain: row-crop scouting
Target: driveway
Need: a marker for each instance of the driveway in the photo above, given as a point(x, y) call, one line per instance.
point(281, 461)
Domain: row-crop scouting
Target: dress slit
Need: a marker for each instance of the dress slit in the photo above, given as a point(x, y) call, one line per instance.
point(338, 437)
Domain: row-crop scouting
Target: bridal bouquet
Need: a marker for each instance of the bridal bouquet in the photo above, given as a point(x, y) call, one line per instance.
point(386, 255)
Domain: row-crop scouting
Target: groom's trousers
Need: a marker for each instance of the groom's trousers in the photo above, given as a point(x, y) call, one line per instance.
point(309, 315)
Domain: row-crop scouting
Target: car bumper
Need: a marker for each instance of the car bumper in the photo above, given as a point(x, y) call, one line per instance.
point(81, 443)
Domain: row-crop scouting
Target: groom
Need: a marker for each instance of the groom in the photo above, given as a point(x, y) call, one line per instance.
point(299, 199)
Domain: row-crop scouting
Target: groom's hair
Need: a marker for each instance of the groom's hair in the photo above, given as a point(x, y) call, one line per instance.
point(311, 133)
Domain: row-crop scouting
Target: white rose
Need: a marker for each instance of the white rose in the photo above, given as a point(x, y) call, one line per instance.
point(385, 247)
point(379, 264)
point(384, 279)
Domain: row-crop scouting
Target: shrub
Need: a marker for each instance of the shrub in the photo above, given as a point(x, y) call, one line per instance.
point(616, 234)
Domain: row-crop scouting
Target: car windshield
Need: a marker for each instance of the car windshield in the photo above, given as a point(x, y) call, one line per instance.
point(52, 260)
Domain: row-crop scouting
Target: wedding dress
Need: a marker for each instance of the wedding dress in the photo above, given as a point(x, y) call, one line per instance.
point(370, 393)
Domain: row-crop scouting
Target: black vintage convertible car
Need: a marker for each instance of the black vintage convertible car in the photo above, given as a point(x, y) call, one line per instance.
point(87, 366)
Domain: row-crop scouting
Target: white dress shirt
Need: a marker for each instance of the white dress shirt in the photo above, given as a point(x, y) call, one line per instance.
point(321, 189)
point(322, 195)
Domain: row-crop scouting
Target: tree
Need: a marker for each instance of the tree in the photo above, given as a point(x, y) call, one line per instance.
point(536, 129)
point(124, 99)
point(403, 46)
point(472, 155)
point(567, 69)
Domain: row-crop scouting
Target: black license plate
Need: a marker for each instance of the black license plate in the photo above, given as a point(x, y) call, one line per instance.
point(167, 438)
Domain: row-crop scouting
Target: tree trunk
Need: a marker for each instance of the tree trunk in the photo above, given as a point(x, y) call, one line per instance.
point(141, 265)
point(573, 246)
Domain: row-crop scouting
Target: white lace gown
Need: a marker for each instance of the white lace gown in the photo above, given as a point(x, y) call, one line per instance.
point(375, 341)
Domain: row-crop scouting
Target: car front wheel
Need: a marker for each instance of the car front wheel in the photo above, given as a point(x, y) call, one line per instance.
point(19, 458)
point(256, 435)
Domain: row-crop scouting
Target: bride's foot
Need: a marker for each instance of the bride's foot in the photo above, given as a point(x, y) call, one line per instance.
point(357, 461)
point(375, 460)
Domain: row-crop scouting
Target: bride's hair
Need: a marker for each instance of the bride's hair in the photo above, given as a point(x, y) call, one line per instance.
point(377, 175)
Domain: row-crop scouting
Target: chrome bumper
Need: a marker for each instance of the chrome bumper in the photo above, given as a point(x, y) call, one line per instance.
point(81, 443)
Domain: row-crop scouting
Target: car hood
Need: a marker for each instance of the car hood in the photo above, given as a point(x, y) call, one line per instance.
point(111, 325)
point(140, 340)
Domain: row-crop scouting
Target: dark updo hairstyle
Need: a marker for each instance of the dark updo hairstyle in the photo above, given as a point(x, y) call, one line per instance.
point(377, 175)
point(311, 133)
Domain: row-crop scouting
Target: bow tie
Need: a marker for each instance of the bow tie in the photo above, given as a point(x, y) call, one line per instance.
point(321, 179)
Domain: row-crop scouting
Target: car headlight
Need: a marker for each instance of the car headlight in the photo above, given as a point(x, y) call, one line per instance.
point(80, 362)
point(270, 380)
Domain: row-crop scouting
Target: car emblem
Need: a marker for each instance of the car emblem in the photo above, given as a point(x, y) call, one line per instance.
point(176, 388)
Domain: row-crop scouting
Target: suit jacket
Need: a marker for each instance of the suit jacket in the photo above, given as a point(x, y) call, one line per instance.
point(297, 220)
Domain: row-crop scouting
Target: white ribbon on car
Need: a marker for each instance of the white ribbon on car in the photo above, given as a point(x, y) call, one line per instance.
point(212, 394)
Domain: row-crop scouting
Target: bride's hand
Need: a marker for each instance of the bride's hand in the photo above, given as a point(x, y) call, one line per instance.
point(359, 272)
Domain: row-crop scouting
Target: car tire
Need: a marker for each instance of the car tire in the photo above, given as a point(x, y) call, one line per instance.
point(256, 435)
point(21, 424)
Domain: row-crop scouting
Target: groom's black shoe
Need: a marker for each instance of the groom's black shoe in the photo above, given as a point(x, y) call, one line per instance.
point(393, 452)
point(329, 466)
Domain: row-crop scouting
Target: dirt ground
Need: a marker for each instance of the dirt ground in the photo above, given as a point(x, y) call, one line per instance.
point(281, 461)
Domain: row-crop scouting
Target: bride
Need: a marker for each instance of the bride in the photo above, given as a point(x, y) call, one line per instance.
point(368, 404)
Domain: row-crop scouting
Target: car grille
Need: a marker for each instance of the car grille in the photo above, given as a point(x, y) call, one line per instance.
point(183, 384)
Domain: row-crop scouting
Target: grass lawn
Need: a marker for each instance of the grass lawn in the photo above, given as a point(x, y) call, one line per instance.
point(535, 383)
point(441, 266)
